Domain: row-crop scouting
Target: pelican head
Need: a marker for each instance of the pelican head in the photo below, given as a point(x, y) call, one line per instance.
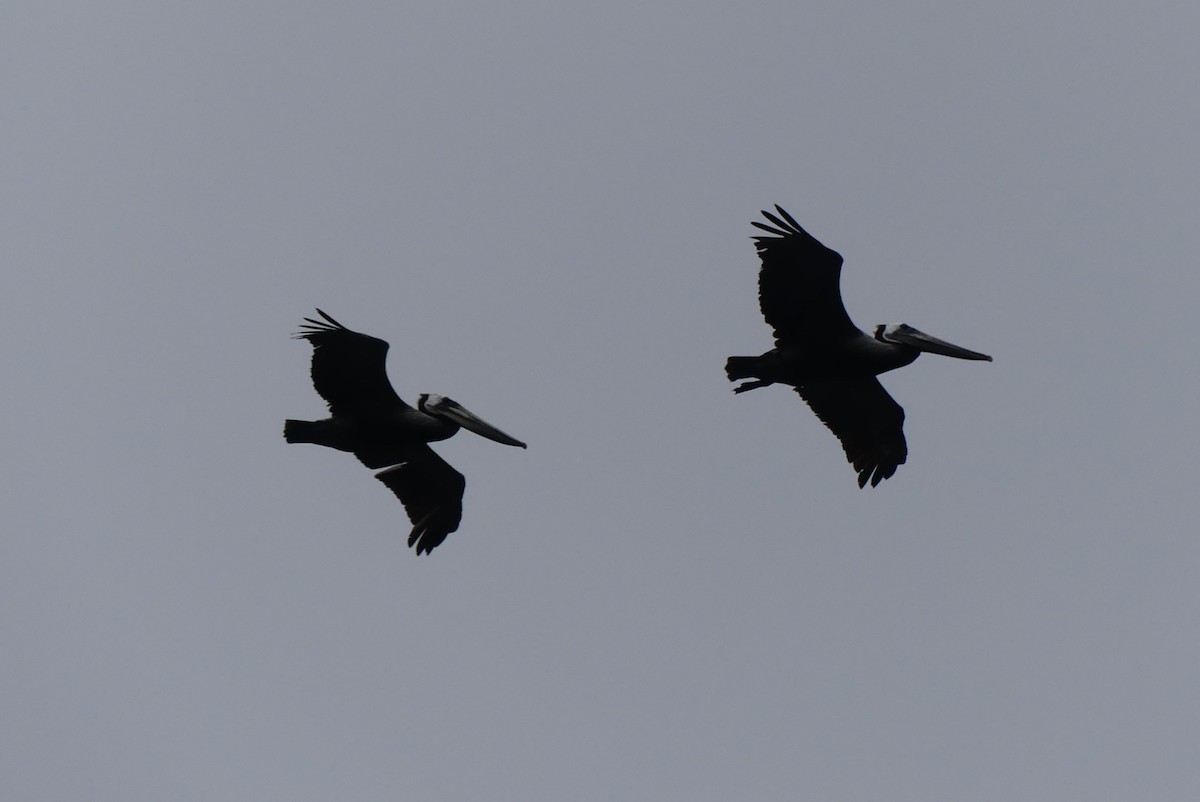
point(904, 334)
point(442, 407)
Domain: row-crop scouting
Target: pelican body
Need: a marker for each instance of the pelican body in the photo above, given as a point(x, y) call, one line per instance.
point(369, 420)
point(435, 418)
point(830, 362)
point(859, 355)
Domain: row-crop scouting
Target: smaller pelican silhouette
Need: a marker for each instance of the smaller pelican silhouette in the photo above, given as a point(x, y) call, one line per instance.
point(369, 420)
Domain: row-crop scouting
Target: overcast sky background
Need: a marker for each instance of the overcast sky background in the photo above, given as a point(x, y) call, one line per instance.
point(676, 593)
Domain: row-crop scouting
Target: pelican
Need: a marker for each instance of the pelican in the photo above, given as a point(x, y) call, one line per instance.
point(825, 357)
point(369, 420)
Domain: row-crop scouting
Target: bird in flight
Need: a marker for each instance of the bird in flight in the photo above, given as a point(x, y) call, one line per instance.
point(829, 361)
point(369, 420)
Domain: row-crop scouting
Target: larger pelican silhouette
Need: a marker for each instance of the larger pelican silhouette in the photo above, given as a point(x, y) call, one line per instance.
point(369, 420)
point(825, 357)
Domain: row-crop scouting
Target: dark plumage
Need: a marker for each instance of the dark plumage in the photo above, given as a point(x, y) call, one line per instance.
point(824, 356)
point(369, 420)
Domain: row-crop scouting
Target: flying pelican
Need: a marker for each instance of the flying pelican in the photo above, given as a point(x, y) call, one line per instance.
point(369, 420)
point(825, 357)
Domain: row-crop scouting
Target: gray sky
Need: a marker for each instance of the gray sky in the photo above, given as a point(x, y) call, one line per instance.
point(675, 593)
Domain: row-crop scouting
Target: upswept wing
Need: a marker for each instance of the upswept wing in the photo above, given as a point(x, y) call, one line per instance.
point(866, 419)
point(348, 369)
point(431, 492)
point(798, 284)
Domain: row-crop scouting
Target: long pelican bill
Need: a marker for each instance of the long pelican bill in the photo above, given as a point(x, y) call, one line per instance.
point(918, 339)
point(469, 420)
